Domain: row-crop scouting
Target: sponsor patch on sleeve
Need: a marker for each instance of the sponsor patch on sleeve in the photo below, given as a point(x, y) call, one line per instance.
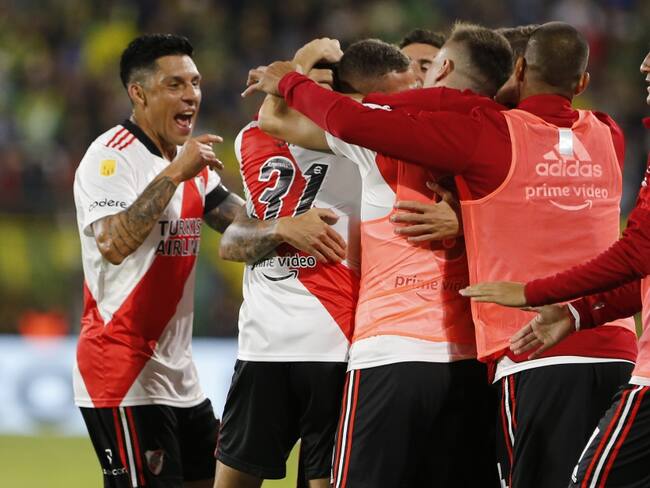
point(107, 167)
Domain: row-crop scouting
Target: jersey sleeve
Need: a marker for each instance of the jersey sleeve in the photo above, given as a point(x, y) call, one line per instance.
point(104, 185)
point(621, 302)
point(215, 191)
point(214, 180)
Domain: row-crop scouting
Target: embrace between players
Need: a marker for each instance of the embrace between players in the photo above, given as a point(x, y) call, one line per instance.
point(353, 336)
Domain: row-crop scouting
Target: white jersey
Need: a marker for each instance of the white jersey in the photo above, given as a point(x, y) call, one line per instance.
point(136, 328)
point(294, 308)
point(379, 178)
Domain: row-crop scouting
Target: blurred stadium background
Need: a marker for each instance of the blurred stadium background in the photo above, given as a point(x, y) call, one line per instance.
point(59, 89)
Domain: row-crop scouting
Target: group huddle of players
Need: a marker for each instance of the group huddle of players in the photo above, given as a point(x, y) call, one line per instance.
point(379, 183)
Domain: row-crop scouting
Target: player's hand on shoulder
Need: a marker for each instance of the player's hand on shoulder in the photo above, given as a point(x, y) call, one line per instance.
point(312, 233)
point(195, 154)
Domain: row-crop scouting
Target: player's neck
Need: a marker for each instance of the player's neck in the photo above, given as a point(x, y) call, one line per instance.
point(167, 150)
point(532, 89)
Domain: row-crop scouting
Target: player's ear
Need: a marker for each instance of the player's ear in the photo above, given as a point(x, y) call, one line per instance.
point(445, 69)
point(136, 94)
point(582, 84)
point(520, 68)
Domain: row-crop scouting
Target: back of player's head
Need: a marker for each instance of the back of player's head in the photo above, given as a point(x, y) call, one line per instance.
point(142, 52)
point(370, 59)
point(423, 36)
point(518, 37)
point(488, 53)
point(557, 55)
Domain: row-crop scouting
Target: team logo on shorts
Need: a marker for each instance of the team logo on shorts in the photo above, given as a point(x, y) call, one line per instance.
point(155, 460)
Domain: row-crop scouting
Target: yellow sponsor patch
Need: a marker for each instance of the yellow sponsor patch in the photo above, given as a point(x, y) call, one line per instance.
point(107, 167)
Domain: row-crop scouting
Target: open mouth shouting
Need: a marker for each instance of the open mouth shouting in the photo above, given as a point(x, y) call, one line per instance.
point(185, 121)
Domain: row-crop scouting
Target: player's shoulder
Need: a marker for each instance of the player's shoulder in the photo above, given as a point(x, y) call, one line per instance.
point(607, 119)
point(105, 156)
point(253, 144)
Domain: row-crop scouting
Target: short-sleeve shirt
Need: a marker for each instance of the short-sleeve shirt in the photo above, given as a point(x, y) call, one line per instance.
point(295, 308)
point(135, 341)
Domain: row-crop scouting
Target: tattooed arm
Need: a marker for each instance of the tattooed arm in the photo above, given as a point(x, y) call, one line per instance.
point(248, 239)
point(120, 235)
point(220, 217)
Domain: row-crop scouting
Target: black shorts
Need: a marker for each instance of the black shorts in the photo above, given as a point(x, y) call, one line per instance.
point(618, 453)
point(417, 424)
point(546, 417)
point(153, 445)
point(270, 406)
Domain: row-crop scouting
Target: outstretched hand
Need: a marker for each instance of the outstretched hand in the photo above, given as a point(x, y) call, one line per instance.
point(550, 326)
point(266, 79)
point(508, 293)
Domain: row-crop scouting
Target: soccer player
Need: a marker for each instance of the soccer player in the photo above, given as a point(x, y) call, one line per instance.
point(412, 377)
point(507, 189)
point(298, 311)
point(141, 199)
point(618, 453)
point(421, 221)
point(421, 47)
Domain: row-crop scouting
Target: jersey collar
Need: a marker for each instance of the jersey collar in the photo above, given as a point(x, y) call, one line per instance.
point(142, 137)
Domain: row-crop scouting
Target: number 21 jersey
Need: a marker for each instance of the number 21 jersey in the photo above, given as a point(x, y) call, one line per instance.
point(296, 309)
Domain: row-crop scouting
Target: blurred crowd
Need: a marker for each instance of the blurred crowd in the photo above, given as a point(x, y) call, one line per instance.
point(59, 89)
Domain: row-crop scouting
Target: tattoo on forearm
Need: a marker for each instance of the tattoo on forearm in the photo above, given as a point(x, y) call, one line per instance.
point(248, 239)
point(128, 230)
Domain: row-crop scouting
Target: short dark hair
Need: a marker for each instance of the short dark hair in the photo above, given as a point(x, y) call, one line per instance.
point(518, 37)
point(142, 52)
point(370, 58)
point(558, 53)
point(489, 53)
point(423, 36)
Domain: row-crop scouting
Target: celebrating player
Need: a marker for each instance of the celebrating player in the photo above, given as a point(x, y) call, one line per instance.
point(618, 453)
point(140, 201)
point(413, 347)
point(421, 47)
point(298, 311)
point(509, 189)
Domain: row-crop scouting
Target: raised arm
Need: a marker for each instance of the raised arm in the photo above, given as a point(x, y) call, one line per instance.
point(437, 140)
point(121, 234)
point(278, 120)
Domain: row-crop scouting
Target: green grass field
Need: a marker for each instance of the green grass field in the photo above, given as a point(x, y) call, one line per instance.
point(68, 462)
